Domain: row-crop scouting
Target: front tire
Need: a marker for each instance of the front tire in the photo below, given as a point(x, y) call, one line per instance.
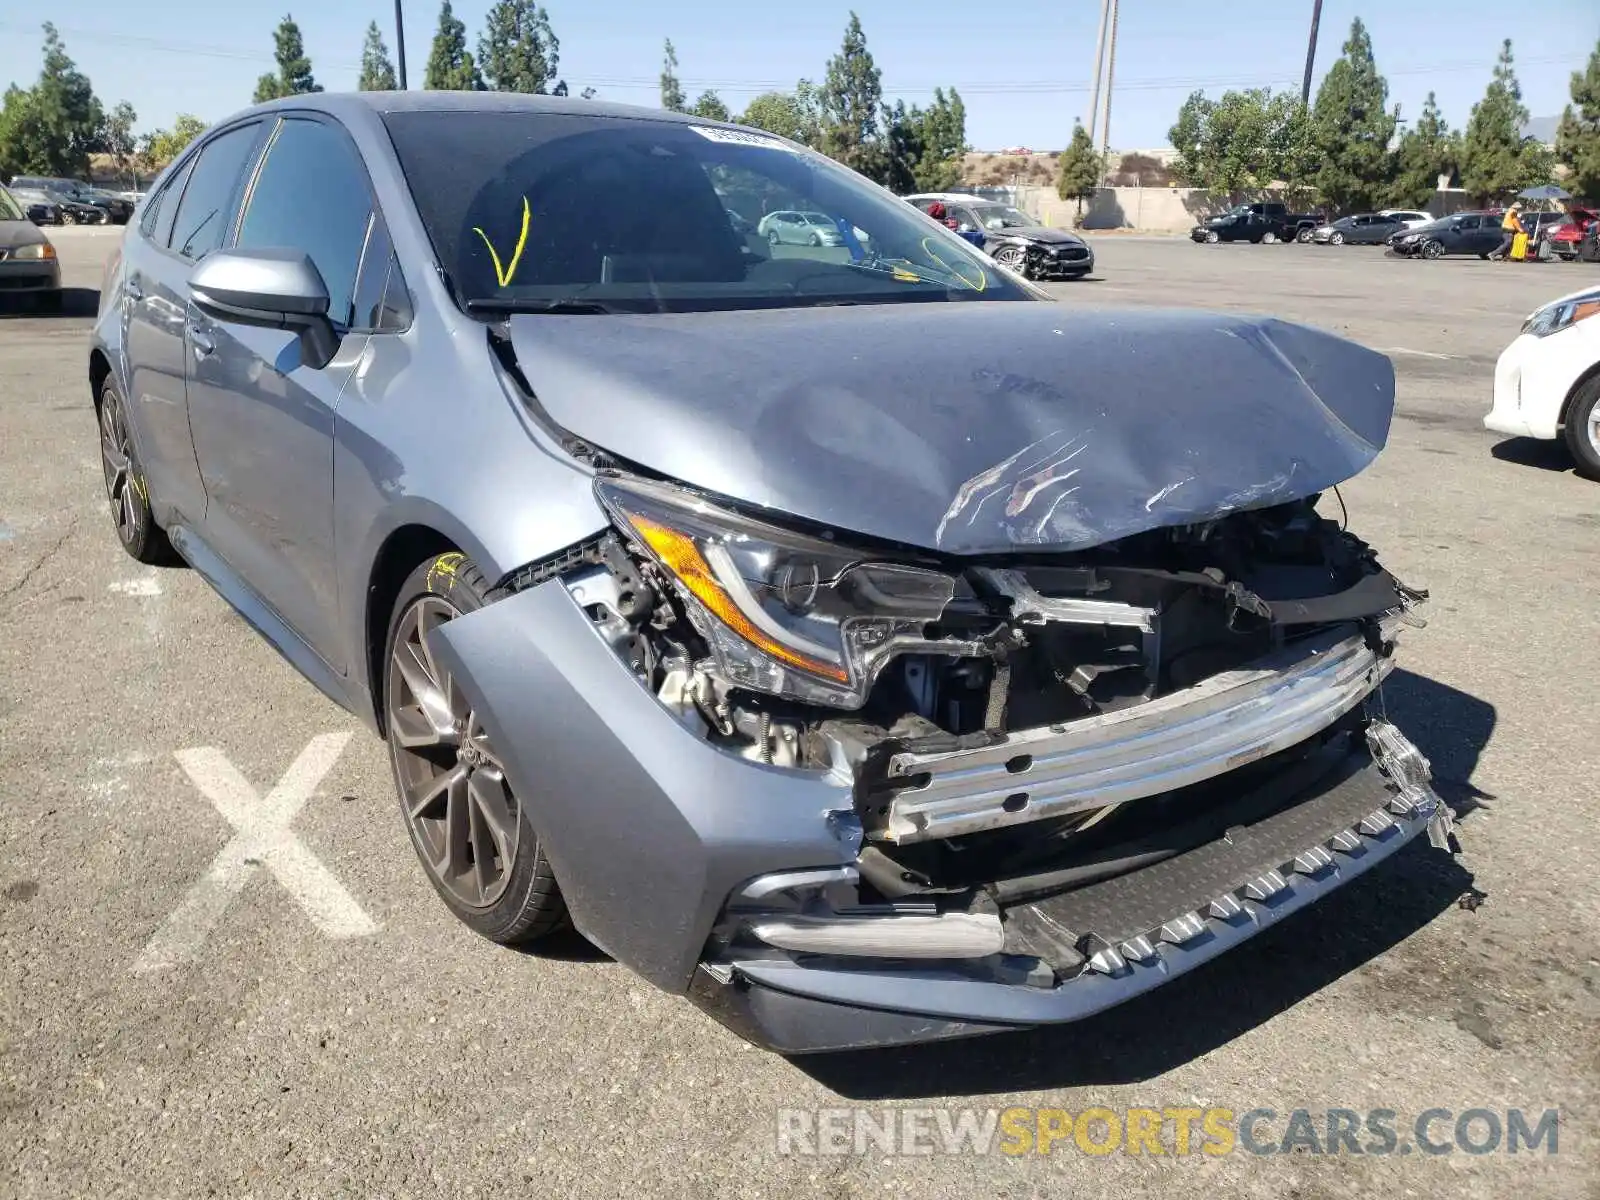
point(1433, 250)
point(1269, 238)
point(126, 489)
point(1303, 237)
point(1583, 430)
point(467, 826)
point(1211, 237)
point(1013, 258)
point(1336, 239)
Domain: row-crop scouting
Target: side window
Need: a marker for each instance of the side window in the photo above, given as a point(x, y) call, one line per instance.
point(207, 206)
point(381, 302)
point(312, 195)
point(167, 208)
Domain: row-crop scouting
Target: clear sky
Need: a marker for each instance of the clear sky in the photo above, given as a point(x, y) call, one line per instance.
point(1023, 66)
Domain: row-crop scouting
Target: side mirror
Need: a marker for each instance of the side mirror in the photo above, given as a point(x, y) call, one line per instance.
point(271, 289)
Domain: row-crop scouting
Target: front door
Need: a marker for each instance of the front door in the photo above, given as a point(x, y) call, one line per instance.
point(262, 420)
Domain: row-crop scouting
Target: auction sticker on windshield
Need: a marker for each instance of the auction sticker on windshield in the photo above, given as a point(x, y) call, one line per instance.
point(739, 137)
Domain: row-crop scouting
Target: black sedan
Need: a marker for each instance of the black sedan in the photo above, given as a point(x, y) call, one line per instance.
point(1364, 229)
point(1464, 233)
point(38, 206)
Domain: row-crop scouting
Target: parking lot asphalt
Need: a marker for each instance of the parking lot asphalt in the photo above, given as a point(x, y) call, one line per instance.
point(251, 1045)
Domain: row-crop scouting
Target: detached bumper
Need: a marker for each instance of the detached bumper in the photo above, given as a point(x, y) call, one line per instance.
point(1127, 935)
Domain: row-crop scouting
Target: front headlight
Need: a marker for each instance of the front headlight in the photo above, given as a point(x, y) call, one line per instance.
point(34, 250)
point(782, 612)
point(1553, 318)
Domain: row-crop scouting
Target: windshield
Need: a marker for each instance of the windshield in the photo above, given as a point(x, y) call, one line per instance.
point(1007, 218)
point(528, 210)
point(9, 210)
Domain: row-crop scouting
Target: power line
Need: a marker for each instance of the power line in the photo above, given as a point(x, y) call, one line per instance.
point(746, 86)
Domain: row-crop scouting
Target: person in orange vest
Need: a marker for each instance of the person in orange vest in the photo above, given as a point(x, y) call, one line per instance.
point(1510, 226)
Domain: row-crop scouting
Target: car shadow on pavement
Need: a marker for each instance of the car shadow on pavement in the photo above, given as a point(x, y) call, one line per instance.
point(75, 302)
point(1534, 452)
point(1202, 1011)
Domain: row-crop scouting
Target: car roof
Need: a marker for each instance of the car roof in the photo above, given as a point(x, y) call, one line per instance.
point(348, 103)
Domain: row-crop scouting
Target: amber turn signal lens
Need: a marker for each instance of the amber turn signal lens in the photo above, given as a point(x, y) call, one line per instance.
point(683, 558)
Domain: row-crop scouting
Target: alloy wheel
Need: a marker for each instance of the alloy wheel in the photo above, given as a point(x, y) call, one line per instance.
point(116, 461)
point(1211, 235)
point(1011, 257)
point(461, 810)
point(1594, 429)
point(1433, 250)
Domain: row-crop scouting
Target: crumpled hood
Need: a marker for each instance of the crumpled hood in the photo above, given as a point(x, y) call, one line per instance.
point(970, 427)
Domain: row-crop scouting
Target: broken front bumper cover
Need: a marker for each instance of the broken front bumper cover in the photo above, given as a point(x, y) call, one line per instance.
point(1109, 942)
point(651, 829)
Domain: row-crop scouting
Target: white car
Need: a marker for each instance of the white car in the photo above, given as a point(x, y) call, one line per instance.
point(1547, 382)
point(1408, 217)
point(794, 228)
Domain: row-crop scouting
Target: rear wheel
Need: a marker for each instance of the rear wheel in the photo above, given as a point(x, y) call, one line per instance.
point(1269, 238)
point(466, 824)
point(1583, 429)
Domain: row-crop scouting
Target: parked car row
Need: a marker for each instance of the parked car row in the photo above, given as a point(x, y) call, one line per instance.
point(1481, 233)
point(74, 202)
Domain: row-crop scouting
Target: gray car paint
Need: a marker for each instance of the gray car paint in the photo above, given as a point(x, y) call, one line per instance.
point(971, 428)
point(647, 826)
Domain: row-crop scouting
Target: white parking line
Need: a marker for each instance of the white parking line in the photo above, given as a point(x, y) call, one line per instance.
point(147, 585)
point(1418, 353)
point(263, 838)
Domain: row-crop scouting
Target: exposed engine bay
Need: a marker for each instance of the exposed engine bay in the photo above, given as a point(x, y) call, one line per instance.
point(945, 691)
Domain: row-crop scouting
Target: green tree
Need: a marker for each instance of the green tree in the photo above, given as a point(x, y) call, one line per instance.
point(59, 123)
point(1081, 167)
point(1496, 160)
point(851, 100)
point(518, 50)
point(1426, 151)
point(925, 146)
point(788, 114)
point(711, 107)
point(161, 146)
point(672, 97)
point(1578, 137)
point(1245, 140)
point(21, 136)
point(450, 65)
point(116, 136)
point(377, 72)
point(1352, 128)
point(294, 76)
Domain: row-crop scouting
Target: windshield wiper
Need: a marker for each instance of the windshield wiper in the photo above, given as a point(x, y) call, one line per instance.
point(497, 304)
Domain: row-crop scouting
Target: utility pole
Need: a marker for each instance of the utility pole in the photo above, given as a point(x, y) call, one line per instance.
point(1311, 51)
point(1099, 60)
point(400, 40)
point(1111, 71)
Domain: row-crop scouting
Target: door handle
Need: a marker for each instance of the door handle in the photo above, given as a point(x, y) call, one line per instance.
point(133, 289)
point(200, 339)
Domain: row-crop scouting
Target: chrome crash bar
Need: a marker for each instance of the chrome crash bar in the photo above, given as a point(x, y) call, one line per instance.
point(1218, 725)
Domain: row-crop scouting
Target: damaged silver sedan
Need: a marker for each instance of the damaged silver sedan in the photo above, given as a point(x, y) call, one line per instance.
point(845, 636)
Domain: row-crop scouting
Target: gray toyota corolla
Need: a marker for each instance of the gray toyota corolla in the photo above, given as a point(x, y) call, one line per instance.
point(846, 636)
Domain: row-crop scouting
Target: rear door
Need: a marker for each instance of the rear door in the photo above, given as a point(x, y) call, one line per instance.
point(262, 420)
point(155, 293)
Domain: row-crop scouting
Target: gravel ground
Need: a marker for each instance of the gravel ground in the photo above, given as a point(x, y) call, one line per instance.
point(418, 1060)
